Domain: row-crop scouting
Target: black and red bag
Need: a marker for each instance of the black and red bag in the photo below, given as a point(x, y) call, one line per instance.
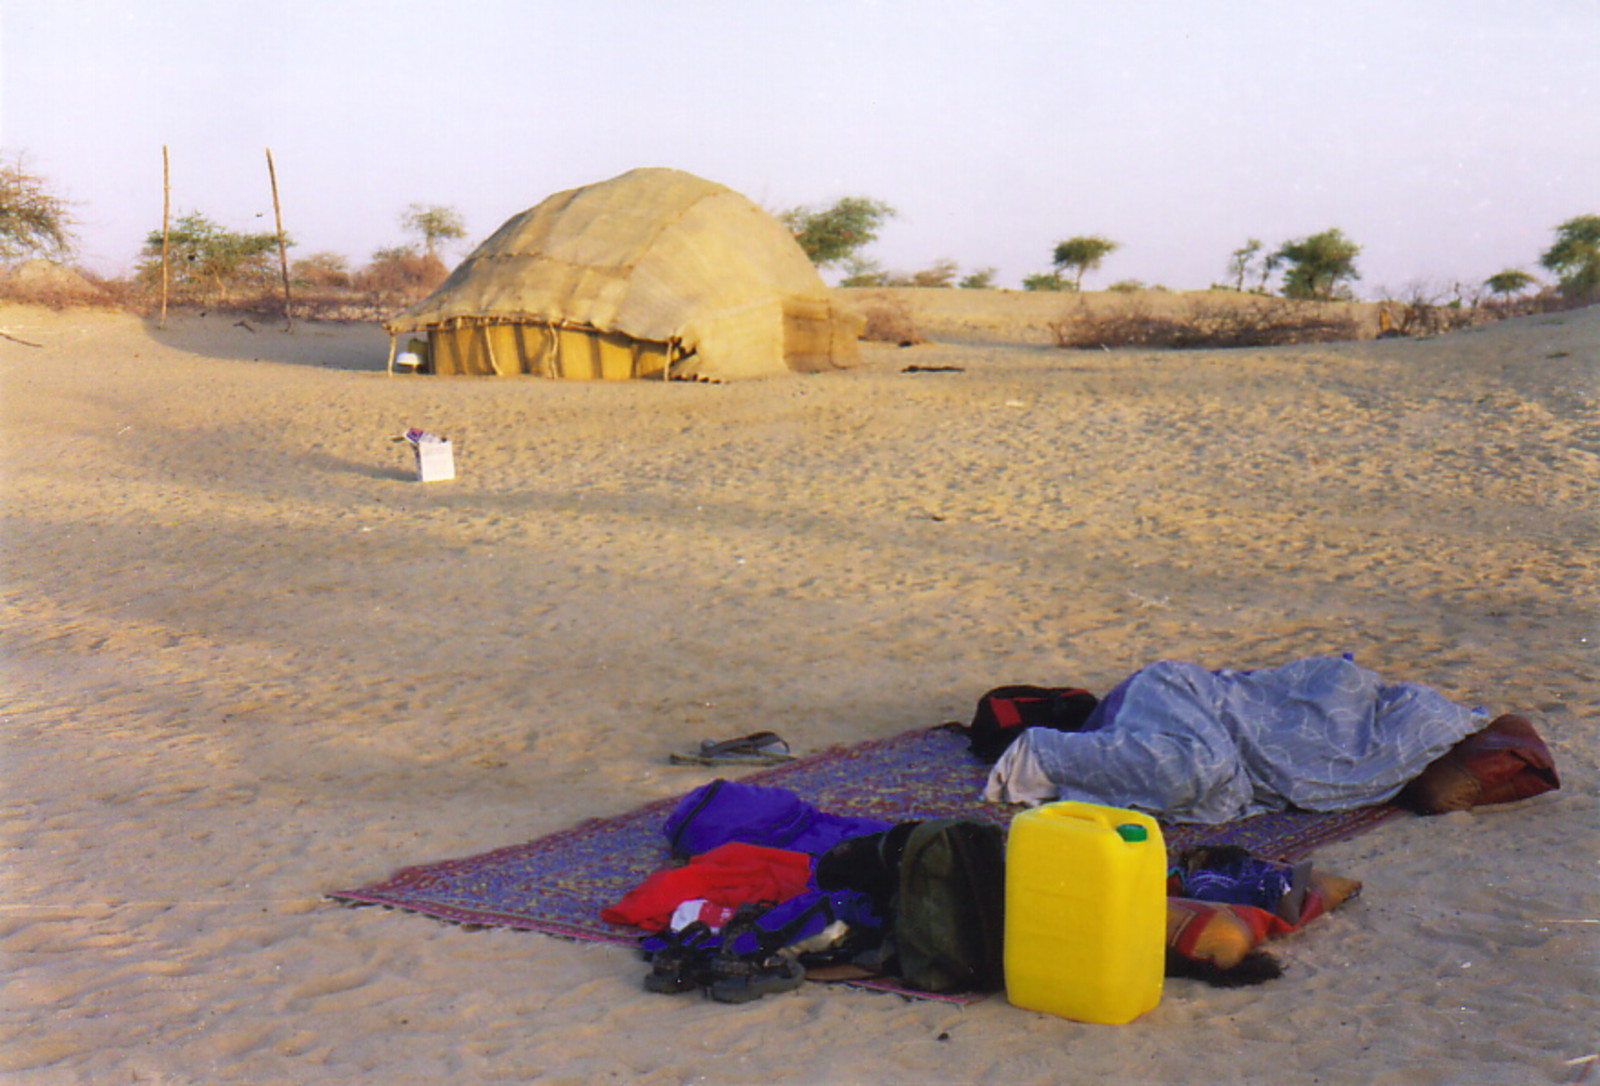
point(1004, 712)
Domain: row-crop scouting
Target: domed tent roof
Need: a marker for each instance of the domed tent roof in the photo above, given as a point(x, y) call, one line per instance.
point(693, 278)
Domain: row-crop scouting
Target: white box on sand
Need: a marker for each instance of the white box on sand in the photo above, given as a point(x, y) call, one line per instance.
point(436, 459)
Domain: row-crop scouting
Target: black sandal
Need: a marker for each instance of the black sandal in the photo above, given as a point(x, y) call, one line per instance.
point(684, 964)
point(761, 748)
point(741, 979)
point(767, 970)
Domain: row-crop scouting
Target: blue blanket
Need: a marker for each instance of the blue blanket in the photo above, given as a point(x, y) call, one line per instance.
point(1195, 745)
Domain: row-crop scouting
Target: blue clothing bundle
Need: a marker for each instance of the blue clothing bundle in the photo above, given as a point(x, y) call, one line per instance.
point(757, 814)
point(724, 811)
point(1195, 745)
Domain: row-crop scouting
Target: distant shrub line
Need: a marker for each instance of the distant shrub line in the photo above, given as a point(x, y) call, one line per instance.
point(369, 296)
point(1250, 322)
point(1225, 319)
point(1266, 321)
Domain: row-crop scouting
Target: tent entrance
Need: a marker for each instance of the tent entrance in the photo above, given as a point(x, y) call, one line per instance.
point(570, 352)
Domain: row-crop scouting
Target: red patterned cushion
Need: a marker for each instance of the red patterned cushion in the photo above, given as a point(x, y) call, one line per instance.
point(1504, 762)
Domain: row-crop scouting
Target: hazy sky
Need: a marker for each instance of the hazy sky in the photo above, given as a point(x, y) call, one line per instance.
point(1448, 138)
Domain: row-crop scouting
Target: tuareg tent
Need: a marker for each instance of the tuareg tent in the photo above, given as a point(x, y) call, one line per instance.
point(656, 273)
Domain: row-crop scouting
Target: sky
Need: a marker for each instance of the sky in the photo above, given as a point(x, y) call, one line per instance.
point(1447, 138)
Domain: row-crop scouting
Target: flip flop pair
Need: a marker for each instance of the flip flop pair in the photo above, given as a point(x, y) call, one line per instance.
point(760, 748)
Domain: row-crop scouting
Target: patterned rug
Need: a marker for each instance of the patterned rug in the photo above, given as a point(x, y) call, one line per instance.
point(558, 884)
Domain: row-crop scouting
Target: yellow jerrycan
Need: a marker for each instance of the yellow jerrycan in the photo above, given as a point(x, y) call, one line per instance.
point(1086, 912)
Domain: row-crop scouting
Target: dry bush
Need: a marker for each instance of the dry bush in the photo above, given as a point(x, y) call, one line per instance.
point(942, 273)
point(398, 279)
point(321, 271)
point(319, 291)
point(1419, 310)
point(1548, 300)
point(1209, 323)
point(889, 320)
point(43, 282)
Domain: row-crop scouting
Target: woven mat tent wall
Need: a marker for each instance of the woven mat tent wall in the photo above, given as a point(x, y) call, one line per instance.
point(655, 273)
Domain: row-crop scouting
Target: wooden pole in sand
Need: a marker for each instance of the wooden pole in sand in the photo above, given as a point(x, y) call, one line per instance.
point(283, 250)
point(166, 216)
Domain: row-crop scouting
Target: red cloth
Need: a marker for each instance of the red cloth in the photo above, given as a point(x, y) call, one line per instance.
point(1212, 931)
point(729, 874)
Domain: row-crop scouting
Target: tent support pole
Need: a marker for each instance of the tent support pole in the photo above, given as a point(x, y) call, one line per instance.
point(166, 215)
point(392, 341)
point(283, 246)
point(488, 349)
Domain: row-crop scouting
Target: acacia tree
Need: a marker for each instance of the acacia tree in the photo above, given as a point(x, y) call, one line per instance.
point(209, 259)
point(1082, 254)
point(832, 235)
point(1317, 266)
point(1508, 282)
point(434, 223)
point(33, 219)
point(1575, 256)
point(1243, 260)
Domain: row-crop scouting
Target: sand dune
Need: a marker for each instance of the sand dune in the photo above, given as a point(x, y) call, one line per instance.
point(248, 660)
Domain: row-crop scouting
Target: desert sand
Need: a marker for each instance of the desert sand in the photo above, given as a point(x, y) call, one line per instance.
point(248, 659)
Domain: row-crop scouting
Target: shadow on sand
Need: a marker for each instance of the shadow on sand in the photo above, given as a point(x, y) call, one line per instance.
point(343, 345)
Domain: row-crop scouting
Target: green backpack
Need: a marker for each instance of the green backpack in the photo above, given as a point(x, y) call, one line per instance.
point(949, 911)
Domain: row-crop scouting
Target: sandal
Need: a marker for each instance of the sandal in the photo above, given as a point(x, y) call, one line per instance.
point(684, 964)
point(765, 970)
point(760, 748)
point(741, 978)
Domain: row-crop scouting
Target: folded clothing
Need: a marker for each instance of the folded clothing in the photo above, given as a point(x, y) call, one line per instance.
point(730, 874)
point(724, 811)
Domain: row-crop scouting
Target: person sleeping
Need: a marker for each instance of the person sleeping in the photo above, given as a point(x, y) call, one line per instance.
point(1191, 744)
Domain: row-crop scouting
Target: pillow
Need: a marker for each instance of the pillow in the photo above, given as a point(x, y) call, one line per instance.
point(1504, 762)
point(1217, 943)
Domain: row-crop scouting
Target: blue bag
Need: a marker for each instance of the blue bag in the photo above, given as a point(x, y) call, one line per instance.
point(756, 814)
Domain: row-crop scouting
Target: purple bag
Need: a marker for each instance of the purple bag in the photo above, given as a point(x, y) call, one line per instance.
point(756, 814)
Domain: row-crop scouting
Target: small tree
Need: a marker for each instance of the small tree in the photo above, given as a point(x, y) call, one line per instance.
point(1575, 256)
point(434, 223)
point(1047, 281)
point(400, 275)
point(1508, 282)
point(1317, 265)
point(861, 272)
point(33, 220)
point(327, 270)
point(1243, 261)
point(209, 259)
point(832, 235)
point(941, 273)
point(1081, 254)
point(982, 279)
